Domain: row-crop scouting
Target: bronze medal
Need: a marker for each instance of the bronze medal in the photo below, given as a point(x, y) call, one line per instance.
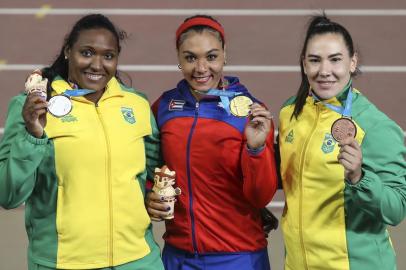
point(240, 106)
point(343, 128)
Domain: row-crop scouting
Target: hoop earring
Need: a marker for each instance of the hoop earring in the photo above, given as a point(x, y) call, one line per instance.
point(179, 66)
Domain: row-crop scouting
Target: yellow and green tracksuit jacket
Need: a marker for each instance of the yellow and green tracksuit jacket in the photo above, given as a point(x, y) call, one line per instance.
point(83, 182)
point(327, 222)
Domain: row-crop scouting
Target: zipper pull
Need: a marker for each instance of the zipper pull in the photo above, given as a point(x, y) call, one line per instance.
point(197, 107)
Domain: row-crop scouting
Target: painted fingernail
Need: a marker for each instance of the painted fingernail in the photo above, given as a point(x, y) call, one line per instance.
point(168, 208)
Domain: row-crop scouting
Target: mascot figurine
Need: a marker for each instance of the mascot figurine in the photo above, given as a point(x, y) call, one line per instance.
point(164, 180)
point(36, 84)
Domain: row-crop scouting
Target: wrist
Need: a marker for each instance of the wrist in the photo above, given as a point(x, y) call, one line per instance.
point(36, 133)
point(356, 177)
point(255, 151)
point(255, 147)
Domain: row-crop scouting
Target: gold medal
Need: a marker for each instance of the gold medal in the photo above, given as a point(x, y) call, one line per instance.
point(240, 106)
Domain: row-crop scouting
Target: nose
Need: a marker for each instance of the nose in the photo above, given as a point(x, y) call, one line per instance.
point(325, 69)
point(96, 63)
point(201, 66)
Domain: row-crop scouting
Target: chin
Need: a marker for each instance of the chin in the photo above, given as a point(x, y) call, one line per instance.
point(201, 88)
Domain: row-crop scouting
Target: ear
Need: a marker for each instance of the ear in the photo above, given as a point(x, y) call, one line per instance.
point(66, 51)
point(354, 62)
point(225, 55)
point(304, 66)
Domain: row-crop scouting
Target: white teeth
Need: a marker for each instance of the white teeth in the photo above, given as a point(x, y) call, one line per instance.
point(202, 79)
point(94, 77)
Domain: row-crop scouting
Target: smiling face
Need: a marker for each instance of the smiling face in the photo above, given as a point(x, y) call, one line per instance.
point(201, 58)
point(328, 64)
point(93, 59)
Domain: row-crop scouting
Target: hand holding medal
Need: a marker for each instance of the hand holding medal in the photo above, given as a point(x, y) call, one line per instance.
point(350, 157)
point(258, 127)
point(35, 105)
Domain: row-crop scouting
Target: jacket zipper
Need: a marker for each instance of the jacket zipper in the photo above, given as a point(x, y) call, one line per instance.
point(302, 158)
point(110, 250)
point(192, 217)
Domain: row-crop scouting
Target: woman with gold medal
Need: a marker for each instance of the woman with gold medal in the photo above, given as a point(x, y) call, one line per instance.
point(219, 140)
point(342, 163)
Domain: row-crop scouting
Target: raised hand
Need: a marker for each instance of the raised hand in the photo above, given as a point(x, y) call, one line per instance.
point(34, 114)
point(350, 157)
point(258, 127)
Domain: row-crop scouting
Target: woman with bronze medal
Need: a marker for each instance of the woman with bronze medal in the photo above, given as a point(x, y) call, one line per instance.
point(219, 140)
point(342, 163)
point(77, 148)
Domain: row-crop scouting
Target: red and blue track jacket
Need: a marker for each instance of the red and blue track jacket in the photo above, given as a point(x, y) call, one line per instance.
point(223, 184)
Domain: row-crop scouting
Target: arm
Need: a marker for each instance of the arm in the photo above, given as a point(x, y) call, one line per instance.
point(381, 191)
point(20, 156)
point(258, 160)
point(156, 208)
point(152, 149)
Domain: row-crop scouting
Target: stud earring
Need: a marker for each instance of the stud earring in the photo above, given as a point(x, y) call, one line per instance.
point(66, 57)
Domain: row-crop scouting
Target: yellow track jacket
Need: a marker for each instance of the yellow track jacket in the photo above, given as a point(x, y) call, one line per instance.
point(83, 183)
point(328, 223)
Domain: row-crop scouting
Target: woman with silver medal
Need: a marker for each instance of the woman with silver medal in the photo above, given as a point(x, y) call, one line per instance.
point(342, 163)
point(79, 161)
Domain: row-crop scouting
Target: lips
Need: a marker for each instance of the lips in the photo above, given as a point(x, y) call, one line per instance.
point(93, 77)
point(326, 84)
point(201, 79)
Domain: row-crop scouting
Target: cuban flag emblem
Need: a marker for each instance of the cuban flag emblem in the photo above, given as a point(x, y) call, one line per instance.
point(176, 105)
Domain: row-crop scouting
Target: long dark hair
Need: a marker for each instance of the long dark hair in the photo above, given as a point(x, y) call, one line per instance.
point(319, 25)
point(91, 21)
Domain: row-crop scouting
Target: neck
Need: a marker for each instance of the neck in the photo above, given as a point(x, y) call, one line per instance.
point(95, 97)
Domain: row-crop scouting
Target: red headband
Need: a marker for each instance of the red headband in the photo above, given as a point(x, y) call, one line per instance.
point(200, 21)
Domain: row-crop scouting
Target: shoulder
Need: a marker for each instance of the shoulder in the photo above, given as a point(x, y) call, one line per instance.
point(131, 90)
point(288, 106)
point(376, 124)
point(367, 114)
point(17, 101)
point(289, 101)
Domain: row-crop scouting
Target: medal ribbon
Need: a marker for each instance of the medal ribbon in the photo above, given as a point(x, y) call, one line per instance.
point(344, 111)
point(224, 97)
point(77, 92)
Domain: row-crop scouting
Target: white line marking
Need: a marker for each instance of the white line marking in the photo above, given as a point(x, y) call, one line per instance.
point(214, 12)
point(236, 68)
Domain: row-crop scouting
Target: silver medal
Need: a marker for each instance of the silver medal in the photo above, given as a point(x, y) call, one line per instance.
point(59, 105)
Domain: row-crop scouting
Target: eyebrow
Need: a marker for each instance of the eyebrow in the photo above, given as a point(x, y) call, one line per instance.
point(88, 46)
point(212, 50)
point(330, 56)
